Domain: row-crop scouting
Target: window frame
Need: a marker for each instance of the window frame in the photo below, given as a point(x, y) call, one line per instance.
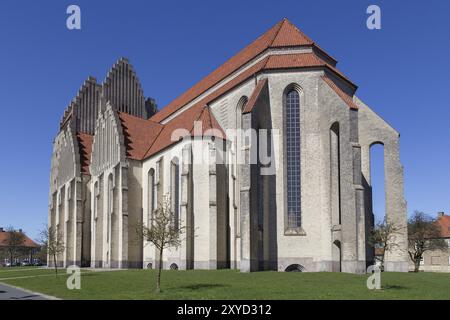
point(292, 230)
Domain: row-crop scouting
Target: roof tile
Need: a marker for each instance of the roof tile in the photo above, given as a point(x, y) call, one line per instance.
point(139, 134)
point(444, 224)
point(255, 95)
point(85, 148)
point(27, 242)
point(283, 34)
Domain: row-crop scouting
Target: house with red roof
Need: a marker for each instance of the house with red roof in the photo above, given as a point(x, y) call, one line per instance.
point(22, 245)
point(438, 260)
point(266, 162)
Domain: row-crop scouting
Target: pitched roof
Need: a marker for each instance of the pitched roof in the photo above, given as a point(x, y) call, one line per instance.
point(85, 148)
point(139, 134)
point(289, 35)
point(27, 242)
point(444, 224)
point(209, 125)
point(185, 122)
point(344, 96)
point(255, 95)
point(144, 138)
point(283, 34)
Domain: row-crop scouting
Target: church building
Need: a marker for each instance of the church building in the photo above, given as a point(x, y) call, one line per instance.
point(266, 162)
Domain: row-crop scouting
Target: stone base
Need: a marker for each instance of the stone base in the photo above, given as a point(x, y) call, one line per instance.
point(354, 266)
point(396, 266)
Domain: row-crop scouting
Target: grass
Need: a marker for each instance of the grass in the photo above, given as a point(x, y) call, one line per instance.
point(230, 284)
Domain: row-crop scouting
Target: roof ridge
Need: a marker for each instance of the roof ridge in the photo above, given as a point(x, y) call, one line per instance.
point(255, 95)
point(139, 118)
point(208, 109)
point(282, 22)
point(154, 141)
point(245, 55)
point(193, 125)
point(301, 32)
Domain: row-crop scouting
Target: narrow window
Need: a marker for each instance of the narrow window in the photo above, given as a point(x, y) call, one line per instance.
point(335, 171)
point(151, 195)
point(292, 133)
point(110, 206)
point(238, 161)
point(175, 190)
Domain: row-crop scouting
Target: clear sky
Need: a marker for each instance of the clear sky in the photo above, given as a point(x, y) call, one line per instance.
point(402, 71)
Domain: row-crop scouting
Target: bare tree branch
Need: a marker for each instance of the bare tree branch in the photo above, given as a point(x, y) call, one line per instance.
point(423, 235)
point(53, 242)
point(161, 232)
point(383, 235)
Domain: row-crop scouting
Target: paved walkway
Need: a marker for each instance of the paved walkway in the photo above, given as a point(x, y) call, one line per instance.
point(12, 293)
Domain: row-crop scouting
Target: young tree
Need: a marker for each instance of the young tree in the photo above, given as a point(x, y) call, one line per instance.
point(53, 243)
point(383, 236)
point(162, 232)
point(423, 235)
point(13, 243)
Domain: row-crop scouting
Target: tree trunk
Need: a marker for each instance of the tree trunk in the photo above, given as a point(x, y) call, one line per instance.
point(160, 264)
point(417, 265)
point(56, 266)
point(11, 258)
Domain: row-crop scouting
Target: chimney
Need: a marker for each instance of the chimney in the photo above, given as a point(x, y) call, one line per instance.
point(1, 230)
point(20, 230)
point(440, 214)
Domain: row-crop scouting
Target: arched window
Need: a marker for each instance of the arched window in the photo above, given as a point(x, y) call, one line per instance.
point(110, 206)
point(151, 195)
point(175, 190)
point(96, 196)
point(237, 162)
point(292, 156)
point(335, 171)
point(295, 268)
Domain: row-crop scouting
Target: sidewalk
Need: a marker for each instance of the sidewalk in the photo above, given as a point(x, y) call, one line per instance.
point(8, 292)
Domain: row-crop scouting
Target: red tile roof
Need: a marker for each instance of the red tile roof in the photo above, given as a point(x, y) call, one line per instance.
point(344, 96)
point(444, 224)
point(283, 34)
point(27, 242)
point(85, 148)
point(289, 35)
point(255, 95)
point(210, 126)
point(144, 138)
point(139, 134)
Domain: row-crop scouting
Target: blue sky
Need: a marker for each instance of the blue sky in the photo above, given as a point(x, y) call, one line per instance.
point(402, 71)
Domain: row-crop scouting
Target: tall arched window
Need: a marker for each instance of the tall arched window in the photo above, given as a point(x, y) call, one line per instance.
point(175, 190)
point(151, 195)
point(96, 196)
point(237, 163)
point(335, 171)
point(292, 145)
point(110, 206)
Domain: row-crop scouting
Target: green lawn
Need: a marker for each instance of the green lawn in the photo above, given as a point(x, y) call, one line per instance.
point(230, 284)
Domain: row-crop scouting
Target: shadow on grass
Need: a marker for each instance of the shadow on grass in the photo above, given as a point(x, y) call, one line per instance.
point(201, 286)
